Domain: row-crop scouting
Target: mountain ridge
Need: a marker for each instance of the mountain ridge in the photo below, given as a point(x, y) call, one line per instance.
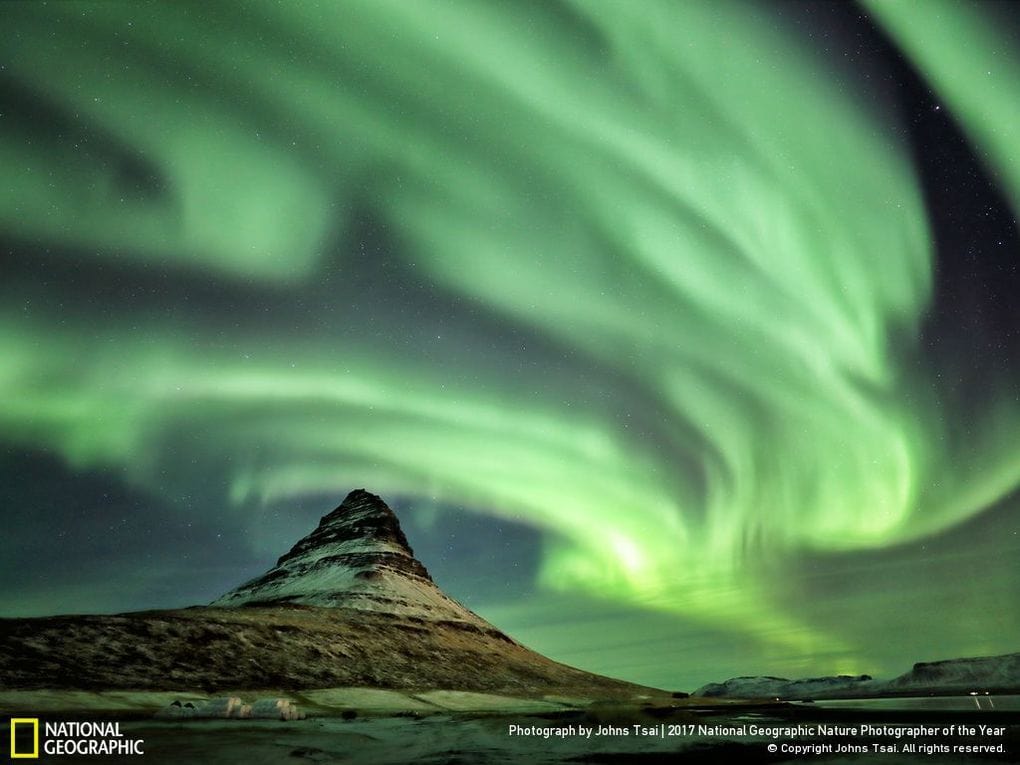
point(357, 557)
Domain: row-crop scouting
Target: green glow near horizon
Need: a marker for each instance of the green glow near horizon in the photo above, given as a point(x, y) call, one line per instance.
point(676, 216)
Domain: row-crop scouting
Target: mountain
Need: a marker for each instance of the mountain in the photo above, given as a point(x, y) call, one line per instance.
point(983, 673)
point(357, 557)
point(348, 606)
point(995, 674)
point(764, 687)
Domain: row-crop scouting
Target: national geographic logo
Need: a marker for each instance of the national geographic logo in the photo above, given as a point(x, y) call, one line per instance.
point(70, 738)
point(21, 752)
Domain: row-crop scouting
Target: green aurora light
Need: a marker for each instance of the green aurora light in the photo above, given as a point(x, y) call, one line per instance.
point(724, 241)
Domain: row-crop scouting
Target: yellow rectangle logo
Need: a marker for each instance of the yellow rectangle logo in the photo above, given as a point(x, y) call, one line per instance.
point(34, 754)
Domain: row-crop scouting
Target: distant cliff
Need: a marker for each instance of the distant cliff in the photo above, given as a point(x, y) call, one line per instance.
point(984, 673)
point(994, 674)
point(781, 688)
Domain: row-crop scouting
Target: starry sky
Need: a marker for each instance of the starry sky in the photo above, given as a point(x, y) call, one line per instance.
point(682, 337)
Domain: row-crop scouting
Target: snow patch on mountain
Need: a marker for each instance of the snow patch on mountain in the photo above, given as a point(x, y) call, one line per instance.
point(357, 557)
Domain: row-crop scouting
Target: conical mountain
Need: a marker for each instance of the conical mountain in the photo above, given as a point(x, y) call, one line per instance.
point(357, 557)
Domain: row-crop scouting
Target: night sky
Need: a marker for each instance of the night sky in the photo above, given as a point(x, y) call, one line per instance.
point(682, 336)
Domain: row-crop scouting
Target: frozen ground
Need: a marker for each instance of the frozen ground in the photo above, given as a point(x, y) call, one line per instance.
point(448, 728)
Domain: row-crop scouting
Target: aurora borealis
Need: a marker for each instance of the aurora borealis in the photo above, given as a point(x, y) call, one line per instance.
point(680, 335)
